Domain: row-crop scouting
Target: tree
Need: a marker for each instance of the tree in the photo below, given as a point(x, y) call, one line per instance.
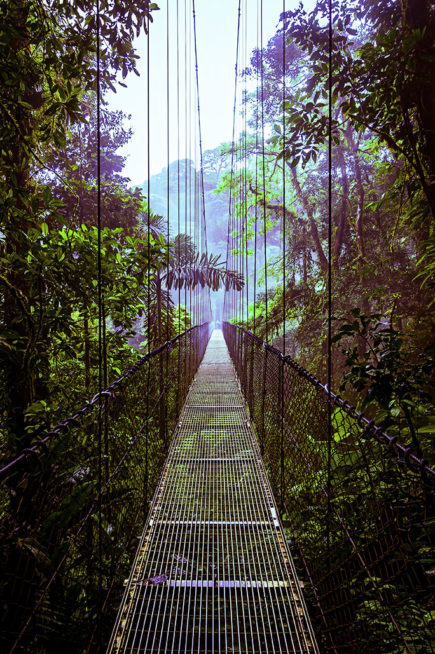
point(183, 268)
point(376, 247)
point(48, 63)
point(383, 86)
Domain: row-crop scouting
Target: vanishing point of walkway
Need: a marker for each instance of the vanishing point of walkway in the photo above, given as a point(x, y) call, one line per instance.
point(213, 572)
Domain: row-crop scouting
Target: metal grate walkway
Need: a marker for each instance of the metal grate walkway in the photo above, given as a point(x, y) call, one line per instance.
point(213, 572)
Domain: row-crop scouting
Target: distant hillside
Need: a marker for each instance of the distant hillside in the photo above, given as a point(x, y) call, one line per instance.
point(182, 175)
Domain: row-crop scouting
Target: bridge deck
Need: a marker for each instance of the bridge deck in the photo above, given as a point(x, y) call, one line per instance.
point(213, 572)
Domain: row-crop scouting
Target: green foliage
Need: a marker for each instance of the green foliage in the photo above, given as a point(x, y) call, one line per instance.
point(187, 269)
point(48, 189)
point(391, 376)
point(381, 199)
point(60, 295)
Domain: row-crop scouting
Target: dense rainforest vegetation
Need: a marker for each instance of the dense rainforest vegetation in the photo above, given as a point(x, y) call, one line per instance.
point(383, 211)
point(383, 202)
point(48, 221)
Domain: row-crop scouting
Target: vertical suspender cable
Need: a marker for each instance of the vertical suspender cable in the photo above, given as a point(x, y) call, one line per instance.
point(239, 177)
point(263, 395)
point(283, 183)
point(148, 194)
point(167, 163)
point(202, 197)
point(256, 178)
point(195, 177)
point(195, 196)
point(329, 343)
point(195, 205)
point(263, 168)
point(148, 335)
point(329, 363)
point(192, 172)
point(179, 328)
point(245, 190)
point(283, 253)
point(178, 164)
point(101, 345)
point(242, 171)
point(186, 142)
point(189, 137)
point(229, 313)
point(165, 293)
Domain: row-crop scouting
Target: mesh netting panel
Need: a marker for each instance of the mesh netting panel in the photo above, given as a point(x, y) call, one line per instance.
point(364, 532)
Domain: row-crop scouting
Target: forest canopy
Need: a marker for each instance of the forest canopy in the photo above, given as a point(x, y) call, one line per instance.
point(383, 181)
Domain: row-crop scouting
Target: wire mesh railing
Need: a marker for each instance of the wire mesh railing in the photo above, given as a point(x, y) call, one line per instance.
point(359, 506)
point(74, 504)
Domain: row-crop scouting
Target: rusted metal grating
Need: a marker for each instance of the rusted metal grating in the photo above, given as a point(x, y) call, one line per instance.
point(213, 572)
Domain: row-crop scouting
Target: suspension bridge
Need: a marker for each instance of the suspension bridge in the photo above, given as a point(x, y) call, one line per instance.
point(216, 497)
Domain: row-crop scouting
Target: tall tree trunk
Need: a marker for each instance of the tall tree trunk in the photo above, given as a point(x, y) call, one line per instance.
point(323, 261)
point(359, 222)
point(15, 164)
point(417, 16)
point(341, 224)
point(304, 255)
point(16, 313)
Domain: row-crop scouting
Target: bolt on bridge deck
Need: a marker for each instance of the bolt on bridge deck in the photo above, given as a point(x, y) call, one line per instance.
point(213, 572)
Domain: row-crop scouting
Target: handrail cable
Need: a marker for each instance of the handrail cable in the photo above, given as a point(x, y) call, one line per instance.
point(370, 433)
point(106, 398)
point(39, 448)
point(404, 455)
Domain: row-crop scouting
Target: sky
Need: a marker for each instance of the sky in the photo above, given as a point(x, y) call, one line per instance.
point(216, 22)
